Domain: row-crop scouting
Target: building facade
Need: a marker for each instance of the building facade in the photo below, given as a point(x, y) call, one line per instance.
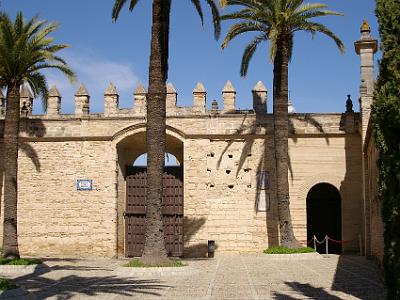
point(74, 199)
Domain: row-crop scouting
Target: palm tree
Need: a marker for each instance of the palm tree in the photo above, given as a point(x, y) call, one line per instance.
point(277, 21)
point(154, 249)
point(25, 50)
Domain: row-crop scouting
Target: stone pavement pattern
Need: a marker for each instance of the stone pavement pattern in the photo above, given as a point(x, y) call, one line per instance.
point(228, 276)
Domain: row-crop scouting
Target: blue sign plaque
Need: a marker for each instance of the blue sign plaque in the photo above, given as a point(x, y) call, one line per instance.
point(84, 184)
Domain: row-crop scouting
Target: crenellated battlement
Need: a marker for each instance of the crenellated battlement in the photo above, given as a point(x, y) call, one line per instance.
point(111, 102)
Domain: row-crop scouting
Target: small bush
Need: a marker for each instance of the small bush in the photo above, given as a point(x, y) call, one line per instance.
point(20, 261)
point(6, 284)
point(137, 263)
point(285, 250)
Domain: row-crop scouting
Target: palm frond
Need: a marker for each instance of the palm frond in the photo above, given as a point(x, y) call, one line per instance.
point(240, 28)
point(197, 6)
point(216, 18)
point(248, 54)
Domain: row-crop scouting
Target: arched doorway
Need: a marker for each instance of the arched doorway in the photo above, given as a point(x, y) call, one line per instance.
point(324, 216)
point(132, 174)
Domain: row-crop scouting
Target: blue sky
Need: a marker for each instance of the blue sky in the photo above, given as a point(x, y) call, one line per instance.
point(102, 51)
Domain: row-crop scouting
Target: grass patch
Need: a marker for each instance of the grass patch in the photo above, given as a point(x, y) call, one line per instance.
point(6, 284)
point(137, 263)
point(20, 261)
point(285, 250)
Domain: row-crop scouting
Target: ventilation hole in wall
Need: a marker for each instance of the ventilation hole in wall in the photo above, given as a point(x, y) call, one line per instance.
point(212, 154)
point(230, 155)
point(228, 171)
point(249, 186)
point(212, 185)
point(249, 154)
point(247, 170)
point(230, 186)
point(208, 170)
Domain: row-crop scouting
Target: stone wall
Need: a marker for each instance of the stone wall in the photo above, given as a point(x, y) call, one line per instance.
point(54, 218)
point(223, 155)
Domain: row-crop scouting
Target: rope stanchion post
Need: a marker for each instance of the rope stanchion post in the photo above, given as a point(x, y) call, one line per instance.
point(326, 245)
point(315, 242)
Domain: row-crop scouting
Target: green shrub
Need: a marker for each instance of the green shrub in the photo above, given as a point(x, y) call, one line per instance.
point(285, 250)
point(137, 263)
point(6, 284)
point(20, 261)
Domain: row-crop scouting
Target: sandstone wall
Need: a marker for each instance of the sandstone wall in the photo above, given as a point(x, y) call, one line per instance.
point(54, 218)
point(221, 194)
point(222, 155)
point(331, 159)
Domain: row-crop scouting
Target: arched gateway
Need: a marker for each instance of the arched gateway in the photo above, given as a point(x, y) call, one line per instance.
point(324, 217)
point(133, 222)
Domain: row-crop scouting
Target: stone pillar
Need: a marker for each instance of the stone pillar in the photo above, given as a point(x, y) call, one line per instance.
point(229, 97)
point(111, 100)
point(140, 99)
point(26, 99)
point(260, 98)
point(366, 47)
point(2, 104)
point(172, 96)
point(199, 98)
point(82, 101)
point(53, 102)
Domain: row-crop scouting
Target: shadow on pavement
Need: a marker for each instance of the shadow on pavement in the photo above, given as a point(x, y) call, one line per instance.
point(48, 282)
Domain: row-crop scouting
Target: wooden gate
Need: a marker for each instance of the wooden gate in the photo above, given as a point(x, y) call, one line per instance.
point(172, 211)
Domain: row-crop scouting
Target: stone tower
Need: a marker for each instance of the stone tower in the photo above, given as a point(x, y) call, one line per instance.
point(366, 47)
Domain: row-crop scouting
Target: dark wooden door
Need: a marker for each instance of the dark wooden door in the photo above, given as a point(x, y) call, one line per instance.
point(172, 210)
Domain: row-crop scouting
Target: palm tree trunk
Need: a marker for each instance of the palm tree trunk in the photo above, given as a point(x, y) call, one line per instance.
point(281, 68)
point(11, 133)
point(154, 249)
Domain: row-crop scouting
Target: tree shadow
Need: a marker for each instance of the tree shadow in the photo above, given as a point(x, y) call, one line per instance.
point(305, 290)
point(359, 277)
point(191, 227)
point(66, 287)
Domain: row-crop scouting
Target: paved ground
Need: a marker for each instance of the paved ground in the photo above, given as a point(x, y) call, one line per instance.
point(228, 276)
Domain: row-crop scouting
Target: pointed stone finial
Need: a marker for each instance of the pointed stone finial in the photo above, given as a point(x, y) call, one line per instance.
point(172, 97)
point(53, 102)
point(199, 88)
point(26, 91)
point(26, 97)
point(214, 106)
point(365, 26)
point(259, 87)
point(228, 88)
point(170, 88)
point(140, 89)
point(260, 98)
point(229, 97)
point(111, 90)
point(82, 91)
point(53, 92)
point(139, 99)
point(82, 101)
point(291, 109)
point(199, 98)
point(111, 100)
point(349, 104)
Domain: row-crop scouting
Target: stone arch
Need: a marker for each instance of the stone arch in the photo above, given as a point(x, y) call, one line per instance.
point(130, 143)
point(324, 216)
point(313, 180)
